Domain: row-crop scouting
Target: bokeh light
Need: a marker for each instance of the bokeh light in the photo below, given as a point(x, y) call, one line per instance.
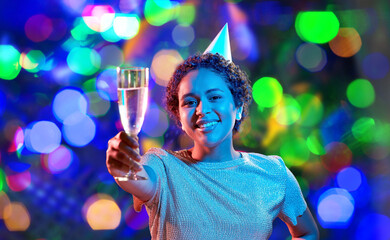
point(42, 137)
point(186, 15)
point(67, 102)
point(164, 64)
point(312, 109)
point(2, 181)
point(361, 93)
point(4, 200)
point(335, 209)
point(18, 140)
point(349, 178)
point(102, 212)
point(314, 143)
point(59, 29)
point(58, 160)
point(287, 111)
point(294, 151)
point(16, 217)
point(311, 57)
point(267, 92)
point(75, 5)
point(338, 156)
point(159, 12)
point(246, 46)
point(80, 32)
point(148, 143)
point(376, 65)
point(126, 26)
point(84, 61)
point(111, 56)
point(127, 6)
point(19, 181)
point(183, 35)
point(99, 18)
point(156, 121)
point(347, 42)
point(317, 27)
point(38, 28)
point(357, 18)
point(33, 61)
point(363, 129)
point(106, 84)
point(79, 129)
point(97, 106)
point(373, 226)
point(110, 36)
point(9, 62)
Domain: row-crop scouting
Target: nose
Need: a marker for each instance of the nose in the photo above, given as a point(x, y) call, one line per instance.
point(203, 108)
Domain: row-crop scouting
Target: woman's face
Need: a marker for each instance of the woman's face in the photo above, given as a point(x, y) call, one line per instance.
point(206, 108)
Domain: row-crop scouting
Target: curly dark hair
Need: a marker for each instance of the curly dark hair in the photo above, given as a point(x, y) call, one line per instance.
point(236, 79)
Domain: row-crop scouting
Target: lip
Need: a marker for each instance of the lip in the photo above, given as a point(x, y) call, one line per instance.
point(206, 125)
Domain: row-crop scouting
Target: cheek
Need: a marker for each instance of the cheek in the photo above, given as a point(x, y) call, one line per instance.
point(184, 116)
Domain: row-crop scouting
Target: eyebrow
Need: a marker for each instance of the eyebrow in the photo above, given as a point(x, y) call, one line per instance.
point(207, 92)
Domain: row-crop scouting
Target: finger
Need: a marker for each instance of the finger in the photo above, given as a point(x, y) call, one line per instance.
point(122, 158)
point(132, 142)
point(116, 168)
point(117, 144)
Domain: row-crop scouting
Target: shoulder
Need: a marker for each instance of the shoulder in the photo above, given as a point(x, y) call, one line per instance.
point(271, 160)
point(161, 155)
point(158, 152)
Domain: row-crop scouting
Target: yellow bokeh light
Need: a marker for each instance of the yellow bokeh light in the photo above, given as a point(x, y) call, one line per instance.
point(149, 143)
point(164, 64)
point(102, 212)
point(16, 217)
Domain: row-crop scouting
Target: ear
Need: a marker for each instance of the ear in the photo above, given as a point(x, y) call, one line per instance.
point(239, 113)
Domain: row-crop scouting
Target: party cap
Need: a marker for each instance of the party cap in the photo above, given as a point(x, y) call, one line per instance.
point(221, 44)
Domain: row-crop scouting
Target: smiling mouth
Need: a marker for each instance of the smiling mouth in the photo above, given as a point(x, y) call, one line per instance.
point(206, 125)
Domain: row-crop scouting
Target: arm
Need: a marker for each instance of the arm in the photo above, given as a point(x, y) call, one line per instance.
point(306, 227)
point(122, 155)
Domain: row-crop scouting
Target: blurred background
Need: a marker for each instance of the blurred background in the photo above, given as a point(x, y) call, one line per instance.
point(320, 76)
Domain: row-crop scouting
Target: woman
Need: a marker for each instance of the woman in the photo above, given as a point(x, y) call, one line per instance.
point(210, 191)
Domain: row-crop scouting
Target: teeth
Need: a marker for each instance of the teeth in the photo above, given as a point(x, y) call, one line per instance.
point(207, 124)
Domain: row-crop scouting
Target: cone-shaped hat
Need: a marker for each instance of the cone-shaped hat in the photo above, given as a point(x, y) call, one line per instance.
point(221, 44)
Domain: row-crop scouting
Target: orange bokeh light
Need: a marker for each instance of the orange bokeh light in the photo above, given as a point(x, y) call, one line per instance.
point(347, 42)
point(16, 217)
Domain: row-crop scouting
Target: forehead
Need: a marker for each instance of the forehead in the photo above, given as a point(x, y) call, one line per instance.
point(201, 80)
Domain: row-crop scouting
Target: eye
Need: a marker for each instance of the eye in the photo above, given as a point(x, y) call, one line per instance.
point(215, 97)
point(189, 103)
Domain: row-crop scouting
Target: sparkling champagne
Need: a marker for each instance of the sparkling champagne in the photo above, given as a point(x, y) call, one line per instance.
point(132, 107)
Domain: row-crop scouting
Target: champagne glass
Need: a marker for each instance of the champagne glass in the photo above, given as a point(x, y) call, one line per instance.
point(132, 101)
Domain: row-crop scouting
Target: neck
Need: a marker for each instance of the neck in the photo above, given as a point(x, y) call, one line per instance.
point(220, 153)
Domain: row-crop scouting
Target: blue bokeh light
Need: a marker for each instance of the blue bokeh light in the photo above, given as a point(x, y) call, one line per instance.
point(156, 121)
point(373, 226)
point(349, 178)
point(79, 129)
point(335, 208)
point(106, 84)
point(376, 65)
point(42, 137)
point(67, 102)
point(183, 36)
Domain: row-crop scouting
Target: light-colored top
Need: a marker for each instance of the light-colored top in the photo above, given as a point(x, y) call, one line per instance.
point(236, 199)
